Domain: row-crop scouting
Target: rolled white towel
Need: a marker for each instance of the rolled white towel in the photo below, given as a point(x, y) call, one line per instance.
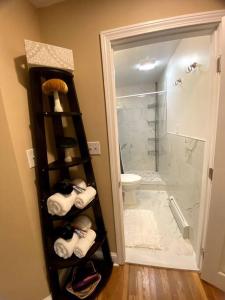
point(84, 244)
point(59, 204)
point(79, 182)
point(83, 199)
point(81, 233)
point(82, 222)
point(65, 248)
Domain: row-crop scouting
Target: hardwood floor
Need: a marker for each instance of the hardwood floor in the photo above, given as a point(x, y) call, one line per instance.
point(135, 282)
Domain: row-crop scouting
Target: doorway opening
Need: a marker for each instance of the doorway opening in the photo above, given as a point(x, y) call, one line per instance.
point(163, 96)
point(171, 126)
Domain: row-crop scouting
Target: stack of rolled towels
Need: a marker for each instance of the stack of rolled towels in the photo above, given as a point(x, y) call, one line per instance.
point(82, 239)
point(68, 194)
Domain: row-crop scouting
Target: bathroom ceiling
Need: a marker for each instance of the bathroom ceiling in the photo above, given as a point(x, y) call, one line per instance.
point(44, 3)
point(125, 61)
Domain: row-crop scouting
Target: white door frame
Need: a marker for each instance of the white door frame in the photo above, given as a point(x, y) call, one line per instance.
point(109, 39)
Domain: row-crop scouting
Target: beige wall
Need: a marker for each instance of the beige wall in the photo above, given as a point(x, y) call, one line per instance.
point(22, 271)
point(76, 25)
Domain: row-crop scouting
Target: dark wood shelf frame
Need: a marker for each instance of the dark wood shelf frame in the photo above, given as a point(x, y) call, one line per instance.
point(43, 168)
point(57, 165)
point(60, 114)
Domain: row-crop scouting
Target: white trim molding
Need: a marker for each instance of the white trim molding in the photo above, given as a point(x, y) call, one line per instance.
point(163, 24)
point(111, 39)
point(49, 297)
point(114, 258)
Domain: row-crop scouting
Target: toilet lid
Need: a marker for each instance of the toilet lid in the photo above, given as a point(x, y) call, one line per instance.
point(130, 178)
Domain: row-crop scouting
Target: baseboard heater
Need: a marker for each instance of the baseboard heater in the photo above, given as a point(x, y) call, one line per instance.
point(178, 216)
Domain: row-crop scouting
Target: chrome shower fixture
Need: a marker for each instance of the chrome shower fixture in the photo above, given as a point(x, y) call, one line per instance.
point(191, 67)
point(178, 81)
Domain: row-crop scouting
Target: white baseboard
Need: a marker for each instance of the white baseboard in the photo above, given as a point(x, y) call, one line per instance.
point(113, 255)
point(115, 263)
point(114, 258)
point(49, 297)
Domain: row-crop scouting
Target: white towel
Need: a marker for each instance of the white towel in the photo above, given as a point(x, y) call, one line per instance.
point(84, 244)
point(79, 182)
point(59, 204)
point(83, 199)
point(82, 222)
point(65, 248)
point(81, 233)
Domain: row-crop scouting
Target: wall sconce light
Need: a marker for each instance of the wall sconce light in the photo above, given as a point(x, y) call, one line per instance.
point(192, 67)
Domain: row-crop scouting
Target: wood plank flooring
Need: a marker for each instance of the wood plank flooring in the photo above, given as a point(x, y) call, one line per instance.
point(135, 282)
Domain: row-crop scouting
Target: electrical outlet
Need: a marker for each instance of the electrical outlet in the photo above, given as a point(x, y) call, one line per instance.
point(30, 157)
point(94, 148)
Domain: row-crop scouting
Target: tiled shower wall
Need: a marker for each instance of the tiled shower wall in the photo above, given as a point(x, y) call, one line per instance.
point(180, 115)
point(136, 124)
point(181, 167)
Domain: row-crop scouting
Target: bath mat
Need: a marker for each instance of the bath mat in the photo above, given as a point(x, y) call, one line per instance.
point(141, 229)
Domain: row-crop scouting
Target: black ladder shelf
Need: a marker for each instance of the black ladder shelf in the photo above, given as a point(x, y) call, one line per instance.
point(45, 120)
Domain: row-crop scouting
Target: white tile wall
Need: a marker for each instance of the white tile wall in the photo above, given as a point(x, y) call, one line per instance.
point(137, 132)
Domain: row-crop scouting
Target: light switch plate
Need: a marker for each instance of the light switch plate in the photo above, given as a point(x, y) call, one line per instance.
point(30, 157)
point(94, 148)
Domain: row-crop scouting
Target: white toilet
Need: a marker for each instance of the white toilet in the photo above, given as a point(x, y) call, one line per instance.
point(130, 182)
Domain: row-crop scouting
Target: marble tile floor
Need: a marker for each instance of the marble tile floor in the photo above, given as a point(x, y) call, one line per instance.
point(175, 252)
